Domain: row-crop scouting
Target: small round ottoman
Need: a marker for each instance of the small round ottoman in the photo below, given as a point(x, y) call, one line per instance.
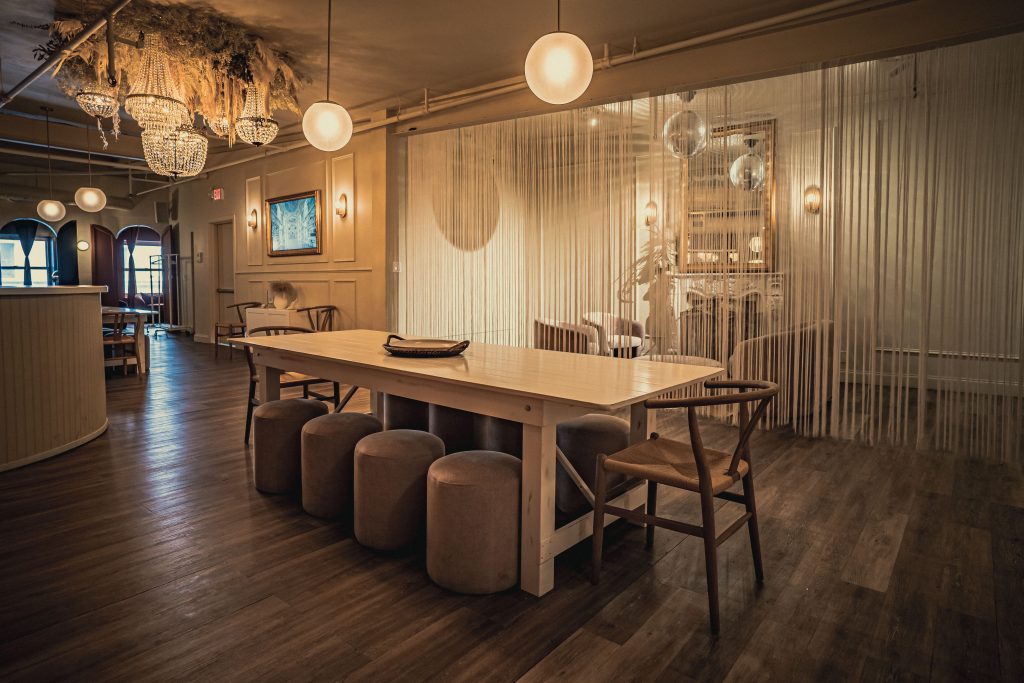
point(390, 488)
point(405, 413)
point(455, 427)
point(328, 444)
point(473, 521)
point(277, 442)
point(582, 439)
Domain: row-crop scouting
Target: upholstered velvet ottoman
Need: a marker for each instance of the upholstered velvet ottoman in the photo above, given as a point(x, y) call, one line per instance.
point(390, 490)
point(277, 442)
point(473, 521)
point(328, 447)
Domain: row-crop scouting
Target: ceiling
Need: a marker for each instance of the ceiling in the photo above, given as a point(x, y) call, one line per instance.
point(386, 53)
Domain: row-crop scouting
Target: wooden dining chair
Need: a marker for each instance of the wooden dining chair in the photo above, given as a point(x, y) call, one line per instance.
point(288, 379)
point(321, 318)
point(232, 330)
point(694, 468)
point(121, 342)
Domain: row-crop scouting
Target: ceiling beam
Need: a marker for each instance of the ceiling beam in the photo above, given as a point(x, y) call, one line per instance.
point(85, 34)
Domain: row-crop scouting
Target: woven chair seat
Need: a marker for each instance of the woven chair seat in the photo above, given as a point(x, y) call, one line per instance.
point(671, 462)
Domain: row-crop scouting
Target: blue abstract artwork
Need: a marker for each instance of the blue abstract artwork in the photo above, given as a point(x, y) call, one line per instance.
point(294, 224)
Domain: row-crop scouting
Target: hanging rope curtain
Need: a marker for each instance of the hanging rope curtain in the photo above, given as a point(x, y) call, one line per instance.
point(854, 234)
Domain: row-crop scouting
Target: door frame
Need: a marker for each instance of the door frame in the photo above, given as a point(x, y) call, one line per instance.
point(213, 244)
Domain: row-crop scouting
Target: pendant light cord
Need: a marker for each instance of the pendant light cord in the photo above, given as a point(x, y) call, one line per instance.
point(330, 5)
point(49, 164)
point(558, 15)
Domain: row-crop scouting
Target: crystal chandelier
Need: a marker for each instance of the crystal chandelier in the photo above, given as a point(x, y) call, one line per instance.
point(99, 102)
point(155, 99)
point(254, 126)
point(220, 125)
point(178, 153)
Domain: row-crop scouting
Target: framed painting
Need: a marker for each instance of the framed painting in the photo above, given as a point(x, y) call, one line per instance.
point(294, 224)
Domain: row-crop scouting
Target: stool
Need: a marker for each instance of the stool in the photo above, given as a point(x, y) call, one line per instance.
point(581, 440)
point(390, 495)
point(496, 434)
point(405, 413)
point(328, 443)
point(473, 521)
point(455, 427)
point(277, 433)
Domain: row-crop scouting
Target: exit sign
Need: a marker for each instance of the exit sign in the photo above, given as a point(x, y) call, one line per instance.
point(217, 194)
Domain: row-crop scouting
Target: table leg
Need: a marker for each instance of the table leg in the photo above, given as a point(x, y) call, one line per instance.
point(141, 347)
point(269, 386)
point(536, 563)
point(377, 404)
point(641, 423)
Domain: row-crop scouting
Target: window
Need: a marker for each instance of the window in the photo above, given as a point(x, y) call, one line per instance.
point(12, 262)
point(148, 280)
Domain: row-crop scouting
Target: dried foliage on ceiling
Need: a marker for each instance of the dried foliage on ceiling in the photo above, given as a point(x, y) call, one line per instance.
point(214, 57)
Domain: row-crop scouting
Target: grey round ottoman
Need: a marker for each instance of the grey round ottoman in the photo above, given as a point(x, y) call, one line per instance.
point(455, 427)
point(390, 491)
point(277, 442)
point(582, 439)
point(496, 434)
point(405, 413)
point(328, 444)
point(473, 521)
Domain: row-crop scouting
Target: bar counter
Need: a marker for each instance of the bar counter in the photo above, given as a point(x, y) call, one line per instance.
point(52, 392)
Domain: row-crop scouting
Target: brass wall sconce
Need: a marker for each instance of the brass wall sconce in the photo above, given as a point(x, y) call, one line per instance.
point(252, 222)
point(341, 205)
point(651, 213)
point(812, 199)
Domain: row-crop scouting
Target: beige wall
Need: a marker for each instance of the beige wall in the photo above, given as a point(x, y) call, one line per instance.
point(349, 273)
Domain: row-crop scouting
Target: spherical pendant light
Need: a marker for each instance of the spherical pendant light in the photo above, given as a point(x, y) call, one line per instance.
point(747, 171)
point(50, 210)
point(559, 67)
point(327, 126)
point(91, 199)
point(685, 134)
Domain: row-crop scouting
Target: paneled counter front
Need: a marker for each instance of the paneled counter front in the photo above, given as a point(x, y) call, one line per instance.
point(52, 392)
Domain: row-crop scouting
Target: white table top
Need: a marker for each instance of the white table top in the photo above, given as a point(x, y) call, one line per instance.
point(593, 382)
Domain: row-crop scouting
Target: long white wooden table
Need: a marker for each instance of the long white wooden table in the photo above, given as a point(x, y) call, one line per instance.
point(536, 388)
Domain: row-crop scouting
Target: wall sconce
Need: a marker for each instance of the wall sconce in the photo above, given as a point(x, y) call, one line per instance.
point(82, 245)
point(252, 219)
point(341, 205)
point(650, 213)
point(812, 199)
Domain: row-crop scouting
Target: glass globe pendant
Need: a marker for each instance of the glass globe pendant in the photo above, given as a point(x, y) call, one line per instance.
point(50, 209)
point(326, 124)
point(747, 171)
point(90, 199)
point(254, 126)
point(685, 134)
point(559, 66)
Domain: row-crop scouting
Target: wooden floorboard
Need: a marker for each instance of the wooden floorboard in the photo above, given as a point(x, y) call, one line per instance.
point(148, 555)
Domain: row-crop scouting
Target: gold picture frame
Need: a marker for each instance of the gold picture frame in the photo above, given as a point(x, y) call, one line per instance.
point(288, 224)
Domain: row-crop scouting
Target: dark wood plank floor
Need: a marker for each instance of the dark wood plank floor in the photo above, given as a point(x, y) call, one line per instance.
point(147, 555)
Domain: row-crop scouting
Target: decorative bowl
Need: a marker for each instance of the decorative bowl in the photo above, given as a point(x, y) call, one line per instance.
point(423, 348)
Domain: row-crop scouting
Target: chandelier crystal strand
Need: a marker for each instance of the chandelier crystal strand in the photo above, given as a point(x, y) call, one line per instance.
point(254, 126)
point(155, 98)
point(177, 153)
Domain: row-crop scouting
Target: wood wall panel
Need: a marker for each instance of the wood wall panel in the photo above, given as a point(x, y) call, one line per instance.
point(315, 289)
point(343, 230)
point(53, 395)
point(255, 246)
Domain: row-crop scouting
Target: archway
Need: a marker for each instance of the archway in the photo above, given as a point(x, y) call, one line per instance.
point(27, 253)
point(137, 250)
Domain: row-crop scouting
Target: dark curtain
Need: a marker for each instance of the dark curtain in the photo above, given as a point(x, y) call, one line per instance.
point(67, 254)
point(131, 236)
point(26, 232)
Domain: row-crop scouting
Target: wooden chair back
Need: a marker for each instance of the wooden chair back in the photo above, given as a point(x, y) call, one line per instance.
point(270, 331)
point(749, 391)
point(240, 309)
point(321, 318)
point(116, 323)
point(553, 335)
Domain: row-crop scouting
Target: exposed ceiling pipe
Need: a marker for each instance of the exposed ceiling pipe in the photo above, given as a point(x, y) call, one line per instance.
point(85, 34)
point(509, 85)
point(32, 194)
point(57, 148)
point(17, 151)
